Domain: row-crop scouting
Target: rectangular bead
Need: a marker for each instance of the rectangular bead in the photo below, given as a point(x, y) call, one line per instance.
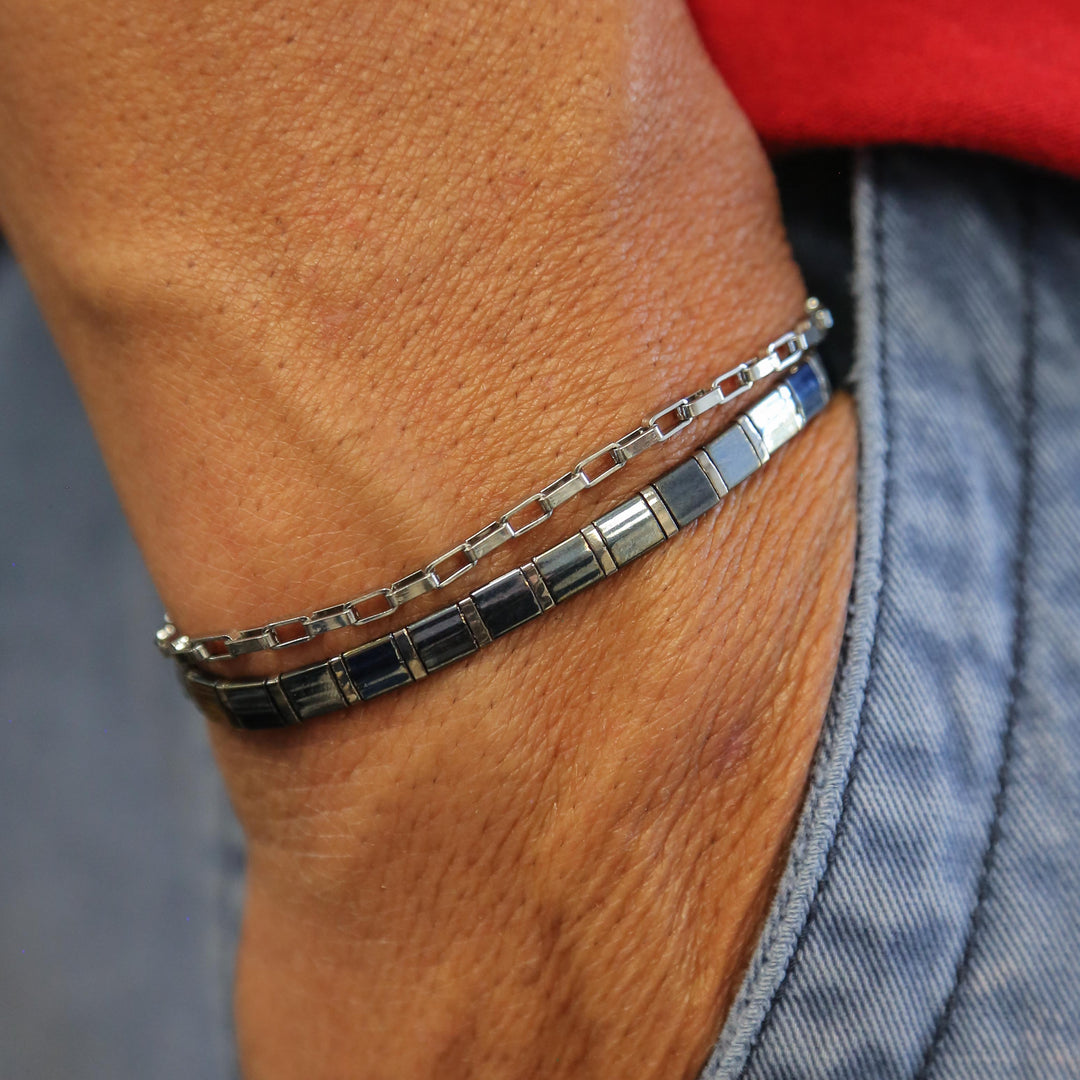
point(283, 705)
point(810, 395)
point(733, 456)
point(506, 603)
point(776, 417)
point(251, 706)
point(442, 638)
point(204, 693)
point(630, 530)
point(376, 667)
point(312, 690)
point(568, 568)
point(687, 492)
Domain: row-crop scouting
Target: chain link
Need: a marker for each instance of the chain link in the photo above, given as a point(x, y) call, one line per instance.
point(781, 354)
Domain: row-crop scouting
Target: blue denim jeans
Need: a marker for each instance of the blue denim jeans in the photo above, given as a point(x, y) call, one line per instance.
point(928, 922)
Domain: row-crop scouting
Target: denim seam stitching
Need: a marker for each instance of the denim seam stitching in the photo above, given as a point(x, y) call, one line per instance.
point(843, 817)
point(1019, 637)
point(817, 794)
point(785, 898)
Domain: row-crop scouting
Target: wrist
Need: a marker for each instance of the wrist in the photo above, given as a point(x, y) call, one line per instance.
point(247, 446)
point(528, 829)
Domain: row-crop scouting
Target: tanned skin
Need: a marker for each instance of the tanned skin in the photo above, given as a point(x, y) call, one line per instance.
point(339, 282)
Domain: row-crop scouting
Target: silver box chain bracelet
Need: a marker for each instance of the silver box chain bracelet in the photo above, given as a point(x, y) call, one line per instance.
point(636, 526)
point(779, 356)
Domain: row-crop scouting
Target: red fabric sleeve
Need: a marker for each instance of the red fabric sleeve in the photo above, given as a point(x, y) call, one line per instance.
point(1001, 76)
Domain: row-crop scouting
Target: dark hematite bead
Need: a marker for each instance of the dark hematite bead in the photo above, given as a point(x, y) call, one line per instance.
point(568, 568)
point(204, 693)
point(442, 638)
point(733, 456)
point(251, 706)
point(312, 690)
point(687, 492)
point(375, 668)
point(808, 391)
point(506, 603)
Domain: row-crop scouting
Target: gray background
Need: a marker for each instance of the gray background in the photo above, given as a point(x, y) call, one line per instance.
point(120, 863)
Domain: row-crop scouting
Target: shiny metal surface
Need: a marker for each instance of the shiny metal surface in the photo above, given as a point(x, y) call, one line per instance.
point(506, 603)
point(630, 530)
point(376, 667)
point(600, 550)
point(312, 690)
point(756, 441)
point(569, 567)
point(660, 511)
point(777, 417)
point(686, 491)
point(780, 355)
point(634, 527)
point(407, 652)
point(286, 710)
point(442, 638)
point(475, 622)
point(733, 455)
point(204, 692)
point(538, 586)
point(349, 693)
point(712, 474)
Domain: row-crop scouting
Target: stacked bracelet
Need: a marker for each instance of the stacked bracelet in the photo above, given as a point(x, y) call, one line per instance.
point(780, 355)
point(636, 526)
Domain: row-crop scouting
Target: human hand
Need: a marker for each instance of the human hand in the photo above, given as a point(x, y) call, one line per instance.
point(336, 284)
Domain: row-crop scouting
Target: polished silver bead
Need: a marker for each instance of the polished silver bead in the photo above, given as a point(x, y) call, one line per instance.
point(630, 530)
point(776, 417)
point(756, 441)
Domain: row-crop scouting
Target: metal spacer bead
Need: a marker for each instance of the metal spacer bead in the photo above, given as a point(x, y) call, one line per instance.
point(599, 549)
point(407, 651)
point(477, 627)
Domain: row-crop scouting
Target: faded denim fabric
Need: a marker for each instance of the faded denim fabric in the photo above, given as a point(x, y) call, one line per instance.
point(928, 924)
point(120, 862)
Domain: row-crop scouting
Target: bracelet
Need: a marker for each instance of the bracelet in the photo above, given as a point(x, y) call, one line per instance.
point(636, 526)
point(782, 354)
